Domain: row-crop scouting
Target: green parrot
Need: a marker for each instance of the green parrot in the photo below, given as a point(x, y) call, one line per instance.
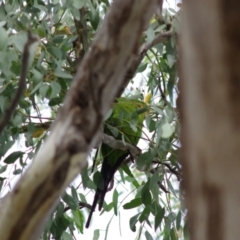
point(125, 123)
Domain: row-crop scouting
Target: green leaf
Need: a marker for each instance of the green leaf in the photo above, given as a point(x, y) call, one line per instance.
point(2, 23)
point(37, 75)
point(55, 101)
point(19, 40)
point(159, 130)
point(1, 182)
point(172, 10)
point(178, 220)
point(133, 203)
point(122, 175)
point(96, 234)
point(146, 195)
point(172, 216)
point(150, 34)
point(151, 124)
point(63, 75)
point(159, 217)
point(154, 179)
point(159, 29)
point(144, 215)
point(6, 146)
point(85, 178)
point(4, 38)
point(144, 161)
point(78, 219)
point(94, 19)
point(173, 234)
point(141, 110)
point(167, 130)
point(17, 171)
point(56, 52)
point(126, 169)
point(3, 168)
point(134, 121)
point(24, 104)
point(142, 67)
point(11, 158)
point(82, 198)
point(66, 236)
point(171, 188)
point(69, 201)
point(36, 88)
point(78, 4)
point(115, 201)
point(114, 131)
point(58, 226)
point(74, 195)
point(108, 115)
point(148, 235)
point(43, 90)
point(133, 220)
point(108, 207)
point(60, 209)
point(58, 39)
point(56, 89)
point(170, 113)
point(170, 85)
point(2, 103)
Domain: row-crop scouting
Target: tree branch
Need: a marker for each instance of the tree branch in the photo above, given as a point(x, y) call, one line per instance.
point(159, 38)
point(22, 82)
point(118, 144)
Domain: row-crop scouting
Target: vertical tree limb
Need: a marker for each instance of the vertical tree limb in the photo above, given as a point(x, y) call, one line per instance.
point(210, 115)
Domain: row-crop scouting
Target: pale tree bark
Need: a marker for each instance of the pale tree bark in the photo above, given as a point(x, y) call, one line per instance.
point(210, 116)
point(64, 155)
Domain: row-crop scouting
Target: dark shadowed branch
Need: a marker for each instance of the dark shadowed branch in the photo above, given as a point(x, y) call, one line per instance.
point(22, 82)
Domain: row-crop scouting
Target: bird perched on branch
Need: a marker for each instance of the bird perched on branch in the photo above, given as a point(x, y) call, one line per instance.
point(125, 123)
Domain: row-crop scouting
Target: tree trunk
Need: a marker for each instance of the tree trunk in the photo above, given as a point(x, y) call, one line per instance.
point(210, 115)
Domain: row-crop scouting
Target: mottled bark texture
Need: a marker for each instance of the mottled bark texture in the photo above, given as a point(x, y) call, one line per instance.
point(64, 154)
point(210, 116)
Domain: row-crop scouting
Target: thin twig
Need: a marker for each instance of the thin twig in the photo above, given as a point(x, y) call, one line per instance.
point(178, 175)
point(162, 93)
point(22, 82)
point(80, 205)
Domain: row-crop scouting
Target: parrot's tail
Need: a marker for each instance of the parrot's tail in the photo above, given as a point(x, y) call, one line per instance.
point(108, 176)
point(107, 172)
point(95, 201)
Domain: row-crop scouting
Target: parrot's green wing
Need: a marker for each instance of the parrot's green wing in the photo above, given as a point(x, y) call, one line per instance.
point(125, 124)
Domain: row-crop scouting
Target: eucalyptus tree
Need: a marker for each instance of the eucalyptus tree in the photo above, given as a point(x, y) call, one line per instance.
point(88, 54)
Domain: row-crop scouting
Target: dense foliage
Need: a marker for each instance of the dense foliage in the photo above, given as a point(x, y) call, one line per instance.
point(65, 30)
